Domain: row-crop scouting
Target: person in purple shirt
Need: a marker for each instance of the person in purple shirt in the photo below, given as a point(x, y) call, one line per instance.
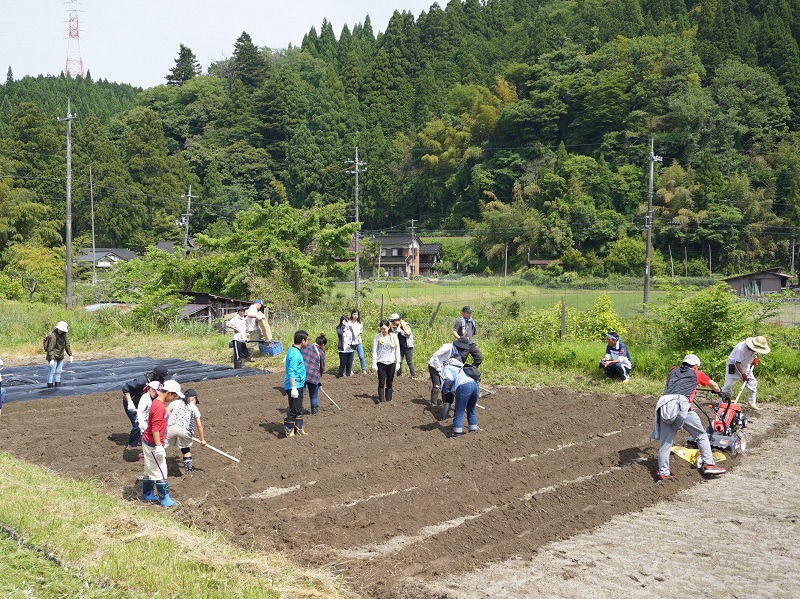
point(314, 359)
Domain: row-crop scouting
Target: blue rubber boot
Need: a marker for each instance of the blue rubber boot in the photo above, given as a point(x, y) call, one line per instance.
point(162, 487)
point(147, 490)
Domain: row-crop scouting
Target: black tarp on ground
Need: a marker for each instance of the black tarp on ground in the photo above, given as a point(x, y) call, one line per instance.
point(95, 376)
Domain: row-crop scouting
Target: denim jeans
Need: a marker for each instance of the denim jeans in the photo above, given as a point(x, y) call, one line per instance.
point(313, 394)
point(466, 400)
point(360, 350)
point(54, 374)
point(135, 436)
point(345, 363)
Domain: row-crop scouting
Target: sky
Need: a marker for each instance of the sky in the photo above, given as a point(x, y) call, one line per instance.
point(137, 42)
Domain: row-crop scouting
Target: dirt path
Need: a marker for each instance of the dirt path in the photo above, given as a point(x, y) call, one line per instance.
point(381, 495)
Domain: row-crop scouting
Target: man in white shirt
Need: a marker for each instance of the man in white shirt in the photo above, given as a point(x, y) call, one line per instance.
point(259, 312)
point(740, 366)
point(239, 326)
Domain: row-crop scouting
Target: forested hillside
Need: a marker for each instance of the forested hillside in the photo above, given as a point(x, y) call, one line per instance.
point(528, 123)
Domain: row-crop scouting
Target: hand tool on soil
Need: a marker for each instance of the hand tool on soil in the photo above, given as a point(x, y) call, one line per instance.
point(477, 405)
point(329, 397)
point(744, 384)
point(487, 391)
point(219, 451)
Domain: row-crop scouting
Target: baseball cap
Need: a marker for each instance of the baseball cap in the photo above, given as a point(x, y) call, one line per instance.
point(160, 370)
point(192, 393)
point(155, 385)
point(394, 316)
point(466, 309)
point(259, 302)
point(173, 387)
point(62, 326)
point(691, 360)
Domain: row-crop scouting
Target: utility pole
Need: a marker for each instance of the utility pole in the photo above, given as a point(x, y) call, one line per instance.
point(648, 225)
point(185, 220)
point(68, 271)
point(505, 267)
point(94, 249)
point(413, 252)
point(358, 167)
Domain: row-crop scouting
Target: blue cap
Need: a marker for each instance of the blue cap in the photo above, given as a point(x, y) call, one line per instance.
point(259, 302)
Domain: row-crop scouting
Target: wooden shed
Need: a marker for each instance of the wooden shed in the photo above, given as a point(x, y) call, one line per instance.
point(210, 306)
point(756, 284)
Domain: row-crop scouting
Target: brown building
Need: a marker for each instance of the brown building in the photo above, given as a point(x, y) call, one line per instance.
point(755, 284)
point(406, 256)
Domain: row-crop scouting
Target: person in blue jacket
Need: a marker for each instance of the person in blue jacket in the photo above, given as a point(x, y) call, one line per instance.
point(617, 361)
point(294, 384)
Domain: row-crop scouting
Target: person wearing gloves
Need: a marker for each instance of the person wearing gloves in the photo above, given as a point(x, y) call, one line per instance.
point(181, 419)
point(314, 360)
point(132, 391)
point(294, 384)
point(2, 391)
point(466, 391)
point(151, 391)
point(345, 346)
point(358, 329)
point(238, 324)
point(406, 338)
point(155, 452)
point(57, 346)
point(259, 313)
point(674, 412)
point(740, 364)
point(459, 348)
point(385, 359)
point(617, 361)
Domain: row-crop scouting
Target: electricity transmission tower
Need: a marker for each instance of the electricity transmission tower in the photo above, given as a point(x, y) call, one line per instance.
point(74, 60)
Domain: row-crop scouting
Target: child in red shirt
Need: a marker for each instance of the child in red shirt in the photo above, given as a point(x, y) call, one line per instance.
point(153, 440)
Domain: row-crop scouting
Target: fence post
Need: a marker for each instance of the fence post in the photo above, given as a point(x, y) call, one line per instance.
point(435, 312)
point(563, 318)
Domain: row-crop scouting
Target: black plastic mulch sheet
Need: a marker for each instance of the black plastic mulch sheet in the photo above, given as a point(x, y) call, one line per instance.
point(96, 376)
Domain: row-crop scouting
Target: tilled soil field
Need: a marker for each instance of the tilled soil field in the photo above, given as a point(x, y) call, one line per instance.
point(378, 492)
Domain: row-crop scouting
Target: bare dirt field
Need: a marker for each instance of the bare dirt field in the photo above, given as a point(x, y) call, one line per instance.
point(555, 497)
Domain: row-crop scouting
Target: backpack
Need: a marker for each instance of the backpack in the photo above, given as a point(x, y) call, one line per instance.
point(46, 342)
point(472, 372)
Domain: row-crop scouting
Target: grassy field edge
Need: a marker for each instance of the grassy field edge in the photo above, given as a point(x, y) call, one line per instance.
point(75, 540)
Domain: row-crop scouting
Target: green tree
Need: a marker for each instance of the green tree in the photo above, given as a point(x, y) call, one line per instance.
point(186, 67)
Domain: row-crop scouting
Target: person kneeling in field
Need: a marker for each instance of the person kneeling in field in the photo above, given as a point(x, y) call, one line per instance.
point(182, 416)
point(155, 453)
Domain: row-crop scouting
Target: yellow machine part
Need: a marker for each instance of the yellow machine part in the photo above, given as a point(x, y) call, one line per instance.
point(690, 455)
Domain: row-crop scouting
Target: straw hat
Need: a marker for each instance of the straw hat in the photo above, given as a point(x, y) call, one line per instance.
point(758, 344)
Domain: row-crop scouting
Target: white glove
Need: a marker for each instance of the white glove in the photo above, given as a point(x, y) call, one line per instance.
point(294, 393)
point(70, 359)
point(131, 407)
point(375, 367)
point(397, 368)
point(160, 452)
point(52, 363)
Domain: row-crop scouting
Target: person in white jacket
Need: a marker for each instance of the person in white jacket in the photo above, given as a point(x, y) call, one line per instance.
point(238, 324)
point(385, 360)
point(441, 358)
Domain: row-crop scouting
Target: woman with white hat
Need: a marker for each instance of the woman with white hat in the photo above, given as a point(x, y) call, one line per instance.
point(57, 346)
point(741, 362)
